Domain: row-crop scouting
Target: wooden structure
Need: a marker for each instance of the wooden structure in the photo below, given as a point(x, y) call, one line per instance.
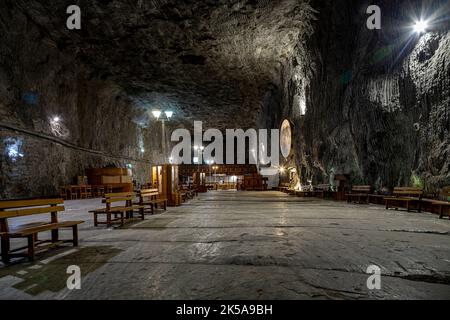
point(30, 231)
point(341, 181)
point(119, 209)
point(359, 194)
point(150, 198)
point(254, 182)
point(410, 196)
point(305, 193)
point(111, 179)
point(283, 187)
point(322, 190)
point(188, 170)
point(165, 178)
point(187, 192)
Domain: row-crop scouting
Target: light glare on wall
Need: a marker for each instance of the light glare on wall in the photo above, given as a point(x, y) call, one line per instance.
point(420, 26)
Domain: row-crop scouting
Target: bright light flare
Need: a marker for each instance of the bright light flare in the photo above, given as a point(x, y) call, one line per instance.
point(420, 26)
point(156, 113)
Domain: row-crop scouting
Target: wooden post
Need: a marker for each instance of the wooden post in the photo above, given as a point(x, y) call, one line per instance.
point(75, 235)
point(31, 247)
point(55, 232)
point(5, 249)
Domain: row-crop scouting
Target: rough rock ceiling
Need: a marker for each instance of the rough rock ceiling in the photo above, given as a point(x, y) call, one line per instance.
point(206, 60)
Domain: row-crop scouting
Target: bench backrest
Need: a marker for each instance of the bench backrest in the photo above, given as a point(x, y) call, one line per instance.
point(21, 208)
point(445, 194)
point(111, 198)
point(361, 189)
point(148, 193)
point(408, 191)
point(323, 187)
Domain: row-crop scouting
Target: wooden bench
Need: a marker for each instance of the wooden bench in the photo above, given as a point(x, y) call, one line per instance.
point(186, 193)
point(406, 195)
point(441, 204)
point(359, 193)
point(322, 190)
point(118, 213)
point(307, 191)
point(152, 199)
point(283, 187)
point(30, 231)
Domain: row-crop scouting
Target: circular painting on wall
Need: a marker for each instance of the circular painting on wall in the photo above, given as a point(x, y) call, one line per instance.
point(285, 138)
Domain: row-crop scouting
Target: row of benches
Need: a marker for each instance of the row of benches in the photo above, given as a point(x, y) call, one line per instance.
point(119, 208)
point(409, 197)
point(321, 191)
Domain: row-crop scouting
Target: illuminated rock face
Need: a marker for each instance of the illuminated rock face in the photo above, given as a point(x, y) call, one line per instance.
point(378, 102)
point(357, 105)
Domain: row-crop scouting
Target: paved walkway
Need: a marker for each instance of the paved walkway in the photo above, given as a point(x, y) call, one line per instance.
point(244, 245)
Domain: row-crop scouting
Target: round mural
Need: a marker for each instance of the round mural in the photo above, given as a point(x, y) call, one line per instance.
point(285, 138)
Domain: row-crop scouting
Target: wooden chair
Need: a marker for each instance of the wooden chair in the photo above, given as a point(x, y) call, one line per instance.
point(30, 231)
point(409, 196)
point(99, 191)
point(83, 192)
point(151, 199)
point(115, 212)
point(63, 193)
point(359, 193)
point(89, 192)
point(73, 192)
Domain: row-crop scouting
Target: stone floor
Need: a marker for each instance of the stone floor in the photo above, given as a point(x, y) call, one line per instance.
point(242, 245)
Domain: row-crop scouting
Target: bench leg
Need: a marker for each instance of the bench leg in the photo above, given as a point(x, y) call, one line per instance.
point(5, 249)
point(75, 235)
point(31, 247)
point(165, 205)
point(108, 219)
point(153, 208)
point(55, 236)
point(122, 219)
point(387, 204)
point(95, 220)
point(407, 206)
point(441, 211)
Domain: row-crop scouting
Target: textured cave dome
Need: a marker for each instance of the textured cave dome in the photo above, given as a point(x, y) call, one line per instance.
point(206, 60)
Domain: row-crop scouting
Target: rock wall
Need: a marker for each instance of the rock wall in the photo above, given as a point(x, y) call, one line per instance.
point(377, 101)
point(97, 123)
